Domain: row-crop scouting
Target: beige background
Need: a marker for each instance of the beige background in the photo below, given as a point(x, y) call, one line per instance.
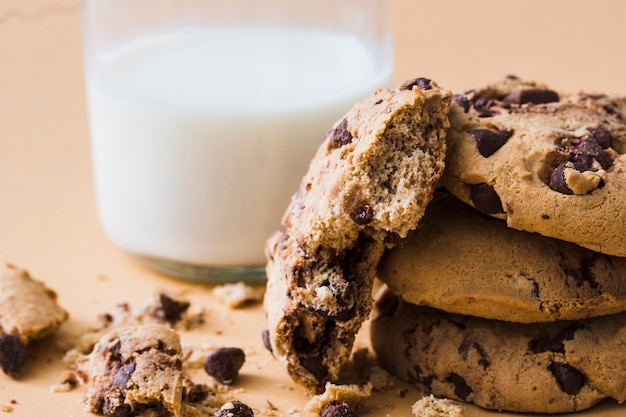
point(48, 222)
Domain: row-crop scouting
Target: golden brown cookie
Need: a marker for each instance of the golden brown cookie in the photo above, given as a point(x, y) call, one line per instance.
point(462, 261)
point(556, 367)
point(546, 162)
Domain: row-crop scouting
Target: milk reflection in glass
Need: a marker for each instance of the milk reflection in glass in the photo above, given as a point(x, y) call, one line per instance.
point(200, 137)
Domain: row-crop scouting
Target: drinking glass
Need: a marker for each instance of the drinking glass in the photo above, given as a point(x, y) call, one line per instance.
point(204, 115)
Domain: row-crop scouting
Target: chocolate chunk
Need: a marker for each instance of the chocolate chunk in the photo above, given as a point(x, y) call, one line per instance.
point(556, 343)
point(224, 364)
point(461, 100)
point(123, 375)
point(483, 104)
point(557, 180)
point(570, 379)
point(111, 409)
point(461, 389)
point(602, 136)
point(485, 198)
point(235, 409)
point(489, 141)
point(170, 309)
point(421, 83)
point(197, 393)
point(335, 408)
point(531, 95)
point(315, 365)
point(340, 136)
point(12, 354)
point(265, 336)
point(363, 214)
point(420, 377)
point(467, 345)
point(583, 272)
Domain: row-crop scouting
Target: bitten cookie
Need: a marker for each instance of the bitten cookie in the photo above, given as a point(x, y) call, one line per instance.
point(462, 261)
point(563, 366)
point(133, 369)
point(372, 177)
point(545, 162)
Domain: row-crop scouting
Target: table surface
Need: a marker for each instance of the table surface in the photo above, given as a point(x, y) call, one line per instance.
point(48, 221)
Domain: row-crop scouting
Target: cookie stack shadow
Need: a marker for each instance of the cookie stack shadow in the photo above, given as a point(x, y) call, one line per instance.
point(511, 293)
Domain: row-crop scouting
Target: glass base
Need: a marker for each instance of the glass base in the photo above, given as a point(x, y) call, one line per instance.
point(206, 274)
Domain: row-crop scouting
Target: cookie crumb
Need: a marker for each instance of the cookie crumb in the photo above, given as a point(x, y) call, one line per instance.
point(431, 406)
point(6, 408)
point(68, 383)
point(355, 396)
point(238, 294)
point(235, 409)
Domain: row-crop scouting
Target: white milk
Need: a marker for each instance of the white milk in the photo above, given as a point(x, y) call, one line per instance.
point(199, 138)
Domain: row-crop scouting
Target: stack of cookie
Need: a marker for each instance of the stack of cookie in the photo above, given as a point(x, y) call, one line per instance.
point(511, 294)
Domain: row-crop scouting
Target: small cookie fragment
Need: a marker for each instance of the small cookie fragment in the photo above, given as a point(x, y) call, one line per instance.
point(132, 369)
point(238, 294)
point(28, 309)
point(430, 406)
point(224, 364)
point(337, 409)
point(235, 409)
point(353, 396)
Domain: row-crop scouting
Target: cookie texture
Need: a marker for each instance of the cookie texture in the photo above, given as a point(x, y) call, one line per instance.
point(556, 367)
point(28, 309)
point(370, 179)
point(462, 261)
point(546, 162)
point(134, 369)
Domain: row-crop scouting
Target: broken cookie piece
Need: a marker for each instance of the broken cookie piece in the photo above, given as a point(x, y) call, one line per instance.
point(28, 311)
point(132, 369)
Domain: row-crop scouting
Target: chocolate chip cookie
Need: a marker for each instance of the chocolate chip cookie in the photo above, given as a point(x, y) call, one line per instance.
point(462, 261)
point(546, 162)
point(133, 369)
point(372, 177)
point(556, 367)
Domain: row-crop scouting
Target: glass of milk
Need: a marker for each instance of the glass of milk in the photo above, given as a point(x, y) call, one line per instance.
point(204, 116)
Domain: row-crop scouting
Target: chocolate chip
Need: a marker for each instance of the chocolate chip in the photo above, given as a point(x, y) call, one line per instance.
point(602, 136)
point(557, 180)
point(531, 95)
point(489, 141)
point(486, 199)
point(224, 364)
point(420, 377)
point(169, 309)
point(114, 409)
point(335, 408)
point(467, 345)
point(12, 354)
point(421, 83)
point(315, 365)
point(570, 379)
point(197, 393)
point(235, 409)
point(483, 103)
point(265, 336)
point(556, 343)
point(461, 100)
point(461, 389)
point(363, 214)
point(123, 375)
point(340, 136)
point(583, 272)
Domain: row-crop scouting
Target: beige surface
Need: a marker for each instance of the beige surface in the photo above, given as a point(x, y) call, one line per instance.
point(47, 215)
